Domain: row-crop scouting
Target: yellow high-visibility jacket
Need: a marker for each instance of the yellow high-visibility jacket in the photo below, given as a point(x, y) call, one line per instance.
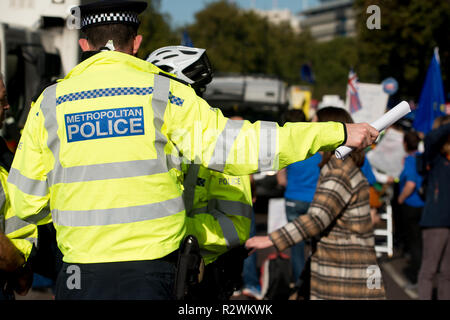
point(218, 209)
point(102, 147)
point(22, 234)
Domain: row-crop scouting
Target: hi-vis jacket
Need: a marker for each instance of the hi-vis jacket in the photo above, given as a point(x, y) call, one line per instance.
point(22, 234)
point(100, 146)
point(218, 209)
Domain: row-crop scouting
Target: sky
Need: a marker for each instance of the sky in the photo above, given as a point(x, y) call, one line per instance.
point(182, 11)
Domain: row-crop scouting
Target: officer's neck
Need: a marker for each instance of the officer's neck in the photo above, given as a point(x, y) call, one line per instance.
point(87, 54)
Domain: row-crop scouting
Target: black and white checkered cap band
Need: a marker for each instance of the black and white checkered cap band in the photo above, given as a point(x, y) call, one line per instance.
point(111, 17)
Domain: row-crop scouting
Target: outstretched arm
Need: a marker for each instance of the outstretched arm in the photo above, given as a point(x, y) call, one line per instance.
point(239, 147)
point(360, 135)
point(331, 197)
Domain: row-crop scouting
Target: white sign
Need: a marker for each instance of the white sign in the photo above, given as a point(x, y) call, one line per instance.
point(373, 102)
point(28, 13)
point(388, 119)
point(276, 216)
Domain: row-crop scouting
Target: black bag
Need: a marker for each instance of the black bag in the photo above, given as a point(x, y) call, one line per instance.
point(304, 286)
point(276, 272)
point(221, 277)
point(189, 267)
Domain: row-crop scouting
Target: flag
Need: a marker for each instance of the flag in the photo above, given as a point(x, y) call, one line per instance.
point(306, 73)
point(353, 102)
point(186, 40)
point(432, 102)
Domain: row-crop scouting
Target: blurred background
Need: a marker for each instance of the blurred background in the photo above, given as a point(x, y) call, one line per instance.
point(268, 56)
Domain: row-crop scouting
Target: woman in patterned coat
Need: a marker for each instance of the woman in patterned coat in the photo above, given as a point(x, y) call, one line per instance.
point(344, 265)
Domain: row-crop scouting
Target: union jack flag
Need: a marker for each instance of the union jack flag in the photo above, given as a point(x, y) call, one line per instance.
point(352, 92)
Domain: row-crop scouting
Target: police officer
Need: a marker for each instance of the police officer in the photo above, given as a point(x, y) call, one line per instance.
point(16, 236)
point(218, 206)
point(100, 147)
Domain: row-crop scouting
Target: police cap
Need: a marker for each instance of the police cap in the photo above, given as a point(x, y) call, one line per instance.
point(111, 12)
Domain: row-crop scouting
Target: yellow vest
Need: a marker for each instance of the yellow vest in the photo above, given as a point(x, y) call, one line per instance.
point(101, 146)
point(22, 234)
point(218, 209)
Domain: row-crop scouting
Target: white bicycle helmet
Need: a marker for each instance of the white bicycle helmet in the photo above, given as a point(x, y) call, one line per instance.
point(188, 64)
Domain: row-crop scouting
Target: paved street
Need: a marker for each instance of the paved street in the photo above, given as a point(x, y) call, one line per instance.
point(396, 284)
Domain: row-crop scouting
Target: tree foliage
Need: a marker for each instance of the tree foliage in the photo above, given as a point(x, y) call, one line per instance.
point(243, 42)
point(155, 29)
point(240, 41)
point(403, 47)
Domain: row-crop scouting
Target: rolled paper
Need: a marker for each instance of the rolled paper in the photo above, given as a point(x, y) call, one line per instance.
point(388, 119)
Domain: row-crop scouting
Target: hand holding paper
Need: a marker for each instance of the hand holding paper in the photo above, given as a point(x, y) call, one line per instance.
point(380, 124)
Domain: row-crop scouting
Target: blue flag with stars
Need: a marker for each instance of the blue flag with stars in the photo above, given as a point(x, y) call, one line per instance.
point(432, 101)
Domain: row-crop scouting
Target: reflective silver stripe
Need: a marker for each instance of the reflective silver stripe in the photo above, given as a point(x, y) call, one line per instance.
point(13, 224)
point(2, 203)
point(2, 196)
point(173, 162)
point(189, 183)
point(27, 185)
point(224, 144)
point(218, 209)
point(48, 107)
point(111, 170)
point(232, 208)
point(235, 208)
point(159, 103)
point(32, 240)
point(37, 218)
point(115, 170)
point(267, 146)
point(229, 231)
point(103, 217)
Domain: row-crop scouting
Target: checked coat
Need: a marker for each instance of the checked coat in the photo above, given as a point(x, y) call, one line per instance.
point(345, 260)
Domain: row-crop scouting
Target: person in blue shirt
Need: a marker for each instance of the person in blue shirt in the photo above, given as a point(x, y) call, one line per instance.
point(411, 204)
point(368, 172)
point(435, 222)
point(300, 180)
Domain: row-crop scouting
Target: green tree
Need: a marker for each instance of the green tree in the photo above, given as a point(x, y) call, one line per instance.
point(332, 61)
point(243, 42)
point(155, 29)
point(403, 47)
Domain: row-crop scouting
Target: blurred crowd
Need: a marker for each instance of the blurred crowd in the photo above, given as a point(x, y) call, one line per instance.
point(405, 170)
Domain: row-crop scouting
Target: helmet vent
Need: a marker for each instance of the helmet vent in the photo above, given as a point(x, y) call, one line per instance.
point(171, 56)
point(188, 52)
point(162, 52)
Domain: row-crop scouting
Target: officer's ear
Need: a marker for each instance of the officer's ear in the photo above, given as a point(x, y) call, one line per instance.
point(84, 44)
point(137, 43)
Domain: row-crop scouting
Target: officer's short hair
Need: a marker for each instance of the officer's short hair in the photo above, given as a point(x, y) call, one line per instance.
point(121, 34)
point(295, 115)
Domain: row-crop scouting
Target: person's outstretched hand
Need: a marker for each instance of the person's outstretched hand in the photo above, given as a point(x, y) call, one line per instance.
point(360, 135)
point(258, 242)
